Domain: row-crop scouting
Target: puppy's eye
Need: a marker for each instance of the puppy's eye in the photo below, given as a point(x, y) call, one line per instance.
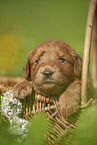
point(37, 61)
point(62, 60)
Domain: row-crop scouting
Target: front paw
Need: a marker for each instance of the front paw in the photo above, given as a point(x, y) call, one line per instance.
point(67, 109)
point(69, 101)
point(22, 89)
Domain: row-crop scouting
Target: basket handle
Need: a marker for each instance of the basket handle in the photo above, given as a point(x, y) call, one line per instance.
point(91, 20)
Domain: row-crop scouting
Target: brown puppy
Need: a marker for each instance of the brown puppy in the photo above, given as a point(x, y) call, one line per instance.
point(53, 69)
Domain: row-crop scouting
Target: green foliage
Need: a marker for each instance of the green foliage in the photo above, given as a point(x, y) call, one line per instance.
point(5, 137)
point(38, 128)
point(86, 131)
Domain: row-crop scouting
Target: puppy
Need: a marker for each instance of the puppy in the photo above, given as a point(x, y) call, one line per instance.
point(53, 69)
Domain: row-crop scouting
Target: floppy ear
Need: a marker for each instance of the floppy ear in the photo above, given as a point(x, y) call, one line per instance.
point(77, 64)
point(77, 61)
point(26, 71)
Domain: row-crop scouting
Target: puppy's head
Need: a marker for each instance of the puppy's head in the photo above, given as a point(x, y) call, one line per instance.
point(52, 66)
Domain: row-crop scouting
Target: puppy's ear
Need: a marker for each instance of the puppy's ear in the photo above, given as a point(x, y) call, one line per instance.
point(77, 64)
point(77, 61)
point(26, 71)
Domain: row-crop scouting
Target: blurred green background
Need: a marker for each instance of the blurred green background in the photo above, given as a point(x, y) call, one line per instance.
point(26, 23)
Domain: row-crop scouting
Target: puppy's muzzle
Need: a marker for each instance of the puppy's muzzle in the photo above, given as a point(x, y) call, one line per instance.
point(47, 73)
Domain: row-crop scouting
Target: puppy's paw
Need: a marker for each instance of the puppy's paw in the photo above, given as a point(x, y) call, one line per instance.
point(67, 108)
point(69, 101)
point(22, 89)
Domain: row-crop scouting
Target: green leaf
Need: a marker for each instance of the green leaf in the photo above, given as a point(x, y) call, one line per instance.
point(5, 137)
point(86, 131)
point(38, 128)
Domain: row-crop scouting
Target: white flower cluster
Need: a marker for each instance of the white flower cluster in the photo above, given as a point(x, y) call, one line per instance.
point(19, 127)
point(10, 108)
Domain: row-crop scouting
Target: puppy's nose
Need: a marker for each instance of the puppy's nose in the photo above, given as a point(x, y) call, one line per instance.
point(48, 73)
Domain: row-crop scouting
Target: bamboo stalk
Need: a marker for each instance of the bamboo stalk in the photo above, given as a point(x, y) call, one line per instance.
point(94, 52)
point(87, 45)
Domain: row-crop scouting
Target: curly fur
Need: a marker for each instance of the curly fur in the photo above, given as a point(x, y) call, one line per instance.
point(53, 68)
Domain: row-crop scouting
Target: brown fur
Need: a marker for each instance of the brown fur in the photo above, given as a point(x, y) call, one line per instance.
point(49, 77)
